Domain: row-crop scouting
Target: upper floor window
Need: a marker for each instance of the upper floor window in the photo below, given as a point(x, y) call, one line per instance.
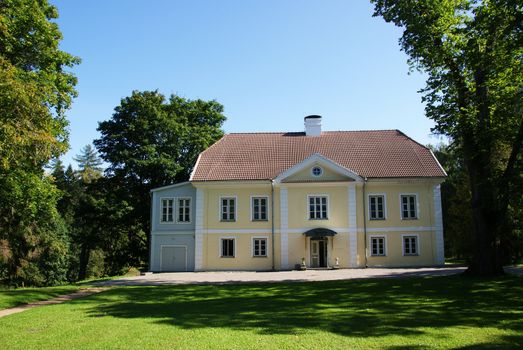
point(184, 210)
point(408, 206)
point(410, 245)
point(377, 207)
point(317, 208)
point(228, 209)
point(259, 208)
point(167, 210)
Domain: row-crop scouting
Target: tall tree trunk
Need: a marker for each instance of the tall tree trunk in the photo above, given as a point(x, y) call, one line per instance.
point(486, 225)
point(85, 252)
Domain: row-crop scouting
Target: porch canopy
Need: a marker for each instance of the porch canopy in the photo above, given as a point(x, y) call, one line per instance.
point(319, 232)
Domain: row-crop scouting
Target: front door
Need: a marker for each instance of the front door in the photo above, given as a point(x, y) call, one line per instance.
point(319, 252)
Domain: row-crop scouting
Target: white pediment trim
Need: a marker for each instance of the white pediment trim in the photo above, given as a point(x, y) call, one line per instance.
point(320, 160)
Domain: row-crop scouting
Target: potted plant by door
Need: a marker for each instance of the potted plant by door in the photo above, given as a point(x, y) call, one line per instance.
point(303, 267)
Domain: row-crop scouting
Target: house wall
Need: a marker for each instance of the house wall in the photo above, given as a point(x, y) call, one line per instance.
point(172, 234)
point(345, 216)
point(243, 230)
point(393, 227)
point(186, 190)
point(159, 239)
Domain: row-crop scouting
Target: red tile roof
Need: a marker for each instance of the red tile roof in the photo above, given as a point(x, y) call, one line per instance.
point(263, 156)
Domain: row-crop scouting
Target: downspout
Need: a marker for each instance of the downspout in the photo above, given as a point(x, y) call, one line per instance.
point(272, 223)
point(365, 220)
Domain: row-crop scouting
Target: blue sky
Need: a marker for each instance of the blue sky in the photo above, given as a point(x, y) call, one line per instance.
point(270, 63)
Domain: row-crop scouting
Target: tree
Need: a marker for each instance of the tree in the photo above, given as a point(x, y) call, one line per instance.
point(455, 202)
point(35, 91)
point(89, 164)
point(472, 53)
point(150, 142)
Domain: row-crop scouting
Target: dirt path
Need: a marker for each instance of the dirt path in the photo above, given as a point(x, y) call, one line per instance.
point(58, 300)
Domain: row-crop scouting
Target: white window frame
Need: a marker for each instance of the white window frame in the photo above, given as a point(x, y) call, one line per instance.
point(384, 245)
point(173, 212)
point(266, 246)
point(308, 206)
point(178, 210)
point(416, 198)
point(266, 209)
point(384, 195)
point(220, 208)
point(221, 248)
point(418, 245)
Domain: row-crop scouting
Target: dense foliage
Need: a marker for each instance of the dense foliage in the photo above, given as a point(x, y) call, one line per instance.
point(472, 52)
point(35, 91)
point(151, 142)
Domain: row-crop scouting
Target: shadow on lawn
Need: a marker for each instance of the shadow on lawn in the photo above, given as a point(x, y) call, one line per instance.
point(363, 308)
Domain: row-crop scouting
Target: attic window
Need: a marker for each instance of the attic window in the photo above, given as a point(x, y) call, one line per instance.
point(317, 171)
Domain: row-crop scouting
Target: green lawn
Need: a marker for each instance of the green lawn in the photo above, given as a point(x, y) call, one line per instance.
point(414, 313)
point(13, 297)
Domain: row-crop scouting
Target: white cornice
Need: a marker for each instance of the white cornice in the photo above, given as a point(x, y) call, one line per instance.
point(171, 186)
point(318, 159)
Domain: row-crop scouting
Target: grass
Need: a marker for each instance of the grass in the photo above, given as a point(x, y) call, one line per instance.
point(10, 297)
point(414, 313)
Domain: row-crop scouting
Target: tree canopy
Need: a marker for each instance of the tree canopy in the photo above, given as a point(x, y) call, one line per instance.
point(472, 52)
point(35, 91)
point(149, 142)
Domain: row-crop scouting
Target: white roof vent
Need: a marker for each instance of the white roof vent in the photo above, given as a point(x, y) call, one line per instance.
point(313, 125)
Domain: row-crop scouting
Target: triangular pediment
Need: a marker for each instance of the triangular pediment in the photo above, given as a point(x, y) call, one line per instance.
point(307, 171)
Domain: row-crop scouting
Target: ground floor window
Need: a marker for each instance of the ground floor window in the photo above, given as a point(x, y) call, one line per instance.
point(259, 247)
point(410, 245)
point(377, 246)
point(227, 245)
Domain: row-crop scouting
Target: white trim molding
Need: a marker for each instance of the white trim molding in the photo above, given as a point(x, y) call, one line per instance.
point(316, 159)
point(438, 221)
point(284, 226)
point(171, 186)
point(198, 231)
point(353, 226)
point(401, 229)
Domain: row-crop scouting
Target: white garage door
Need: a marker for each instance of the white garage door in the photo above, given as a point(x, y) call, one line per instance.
point(174, 258)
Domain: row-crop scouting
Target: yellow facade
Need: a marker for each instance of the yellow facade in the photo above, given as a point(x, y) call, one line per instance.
point(288, 202)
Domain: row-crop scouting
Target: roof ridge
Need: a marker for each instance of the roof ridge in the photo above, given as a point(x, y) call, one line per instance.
point(303, 132)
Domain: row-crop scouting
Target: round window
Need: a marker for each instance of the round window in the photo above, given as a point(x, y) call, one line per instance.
point(317, 171)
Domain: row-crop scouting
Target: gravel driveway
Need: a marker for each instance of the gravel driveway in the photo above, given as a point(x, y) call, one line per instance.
point(279, 276)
